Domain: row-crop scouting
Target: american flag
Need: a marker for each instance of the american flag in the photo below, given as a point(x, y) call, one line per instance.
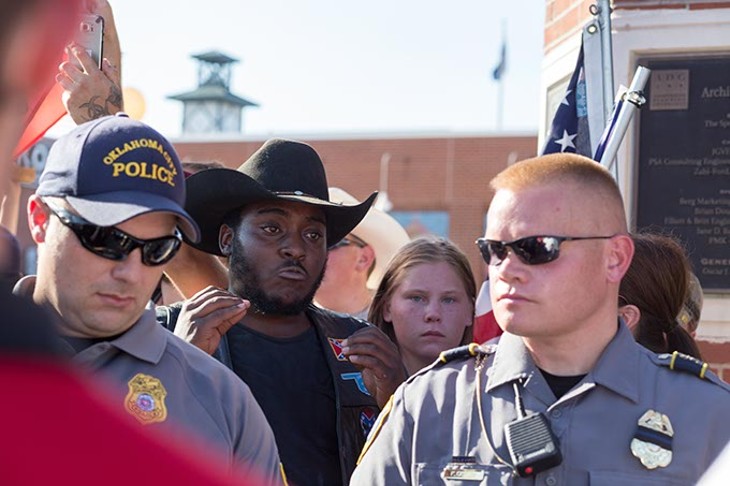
point(569, 131)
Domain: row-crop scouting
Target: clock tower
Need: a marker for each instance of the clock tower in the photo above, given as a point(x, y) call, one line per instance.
point(211, 107)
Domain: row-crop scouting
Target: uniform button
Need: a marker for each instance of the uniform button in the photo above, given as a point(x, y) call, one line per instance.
point(551, 481)
point(556, 414)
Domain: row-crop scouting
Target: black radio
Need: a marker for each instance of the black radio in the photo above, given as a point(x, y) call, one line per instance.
point(532, 445)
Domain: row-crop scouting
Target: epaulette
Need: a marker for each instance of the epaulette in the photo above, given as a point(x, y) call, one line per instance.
point(464, 352)
point(687, 364)
point(460, 353)
point(682, 362)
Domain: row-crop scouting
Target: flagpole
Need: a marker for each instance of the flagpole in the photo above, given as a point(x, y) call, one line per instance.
point(603, 14)
point(500, 86)
point(632, 100)
point(500, 104)
point(602, 11)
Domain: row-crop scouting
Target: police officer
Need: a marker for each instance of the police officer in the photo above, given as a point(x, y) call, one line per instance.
point(566, 396)
point(104, 237)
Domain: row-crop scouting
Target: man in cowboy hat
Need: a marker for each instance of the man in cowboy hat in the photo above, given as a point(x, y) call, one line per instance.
point(356, 264)
point(319, 377)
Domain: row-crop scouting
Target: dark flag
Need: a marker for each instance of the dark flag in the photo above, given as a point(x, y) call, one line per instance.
point(570, 131)
point(502, 66)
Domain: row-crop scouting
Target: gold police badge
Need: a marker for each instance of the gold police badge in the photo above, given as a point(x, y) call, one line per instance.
point(652, 442)
point(146, 399)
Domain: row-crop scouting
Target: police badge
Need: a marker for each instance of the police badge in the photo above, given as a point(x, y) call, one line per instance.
point(652, 442)
point(146, 399)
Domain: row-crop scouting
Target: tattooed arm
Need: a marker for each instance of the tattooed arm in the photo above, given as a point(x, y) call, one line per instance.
point(90, 92)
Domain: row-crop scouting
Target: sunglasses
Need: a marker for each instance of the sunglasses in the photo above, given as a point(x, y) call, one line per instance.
point(114, 244)
point(532, 250)
point(347, 241)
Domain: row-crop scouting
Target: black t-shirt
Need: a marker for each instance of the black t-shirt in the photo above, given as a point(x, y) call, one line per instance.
point(293, 385)
point(560, 385)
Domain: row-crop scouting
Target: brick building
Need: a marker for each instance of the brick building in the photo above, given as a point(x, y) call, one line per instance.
point(675, 37)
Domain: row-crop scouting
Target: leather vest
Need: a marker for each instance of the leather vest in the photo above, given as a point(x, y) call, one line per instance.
point(356, 408)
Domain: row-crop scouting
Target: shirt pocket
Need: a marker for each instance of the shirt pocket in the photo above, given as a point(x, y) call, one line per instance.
point(494, 475)
point(656, 476)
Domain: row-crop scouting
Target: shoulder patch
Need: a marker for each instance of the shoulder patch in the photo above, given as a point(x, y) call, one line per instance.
point(376, 428)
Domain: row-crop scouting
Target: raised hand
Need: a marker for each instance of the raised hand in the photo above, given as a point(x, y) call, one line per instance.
point(208, 315)
point(377, 356)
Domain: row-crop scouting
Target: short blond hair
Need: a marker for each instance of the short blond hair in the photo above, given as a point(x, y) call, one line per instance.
point(563, 168)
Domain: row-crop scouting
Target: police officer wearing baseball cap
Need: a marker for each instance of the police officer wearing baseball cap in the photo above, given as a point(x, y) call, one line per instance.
point(107, 216)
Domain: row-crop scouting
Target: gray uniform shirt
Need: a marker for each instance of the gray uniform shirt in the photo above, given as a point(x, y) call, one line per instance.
point(165, 382)
point(434, 418)
point(201, 395)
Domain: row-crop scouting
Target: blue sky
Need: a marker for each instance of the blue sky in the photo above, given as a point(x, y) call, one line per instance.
point(338, 66)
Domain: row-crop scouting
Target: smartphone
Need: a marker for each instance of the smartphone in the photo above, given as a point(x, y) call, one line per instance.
point(90, 36)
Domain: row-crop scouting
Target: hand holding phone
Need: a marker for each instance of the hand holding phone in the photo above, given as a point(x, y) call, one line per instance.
point(90, 36)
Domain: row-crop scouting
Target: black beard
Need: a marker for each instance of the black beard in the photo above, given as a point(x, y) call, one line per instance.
point(245, 284)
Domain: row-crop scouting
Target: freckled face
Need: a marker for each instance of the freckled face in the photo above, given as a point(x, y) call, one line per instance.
point(556, 298)
point(430, 310)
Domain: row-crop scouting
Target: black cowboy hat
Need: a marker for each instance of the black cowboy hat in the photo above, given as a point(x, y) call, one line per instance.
point(280, 169)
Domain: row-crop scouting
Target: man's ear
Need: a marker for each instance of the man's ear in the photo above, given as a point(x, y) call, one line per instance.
point(631, 315)
point(38, 218)
point(366, 258)
point(621, 251)
point(225, 239)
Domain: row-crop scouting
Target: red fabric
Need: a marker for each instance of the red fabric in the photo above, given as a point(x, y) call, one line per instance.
point(486, 328)
point(57, 429)
point(44, 113)
point(485, 325)
point(56, 20)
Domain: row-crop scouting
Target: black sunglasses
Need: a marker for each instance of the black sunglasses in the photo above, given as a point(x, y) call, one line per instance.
point(532, 250)
point(114, 244)
point(347, 241)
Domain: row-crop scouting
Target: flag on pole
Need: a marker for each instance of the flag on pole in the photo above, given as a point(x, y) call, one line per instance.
point(56, 21)
point(570, 131)
point(485, 325)
point(501, 67)
point(579, 121)
point(45, 111)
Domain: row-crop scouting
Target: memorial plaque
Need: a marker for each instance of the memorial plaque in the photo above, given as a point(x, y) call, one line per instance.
point(684, 161)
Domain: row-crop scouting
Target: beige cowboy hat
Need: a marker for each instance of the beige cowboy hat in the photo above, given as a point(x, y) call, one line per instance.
point(379, 230)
